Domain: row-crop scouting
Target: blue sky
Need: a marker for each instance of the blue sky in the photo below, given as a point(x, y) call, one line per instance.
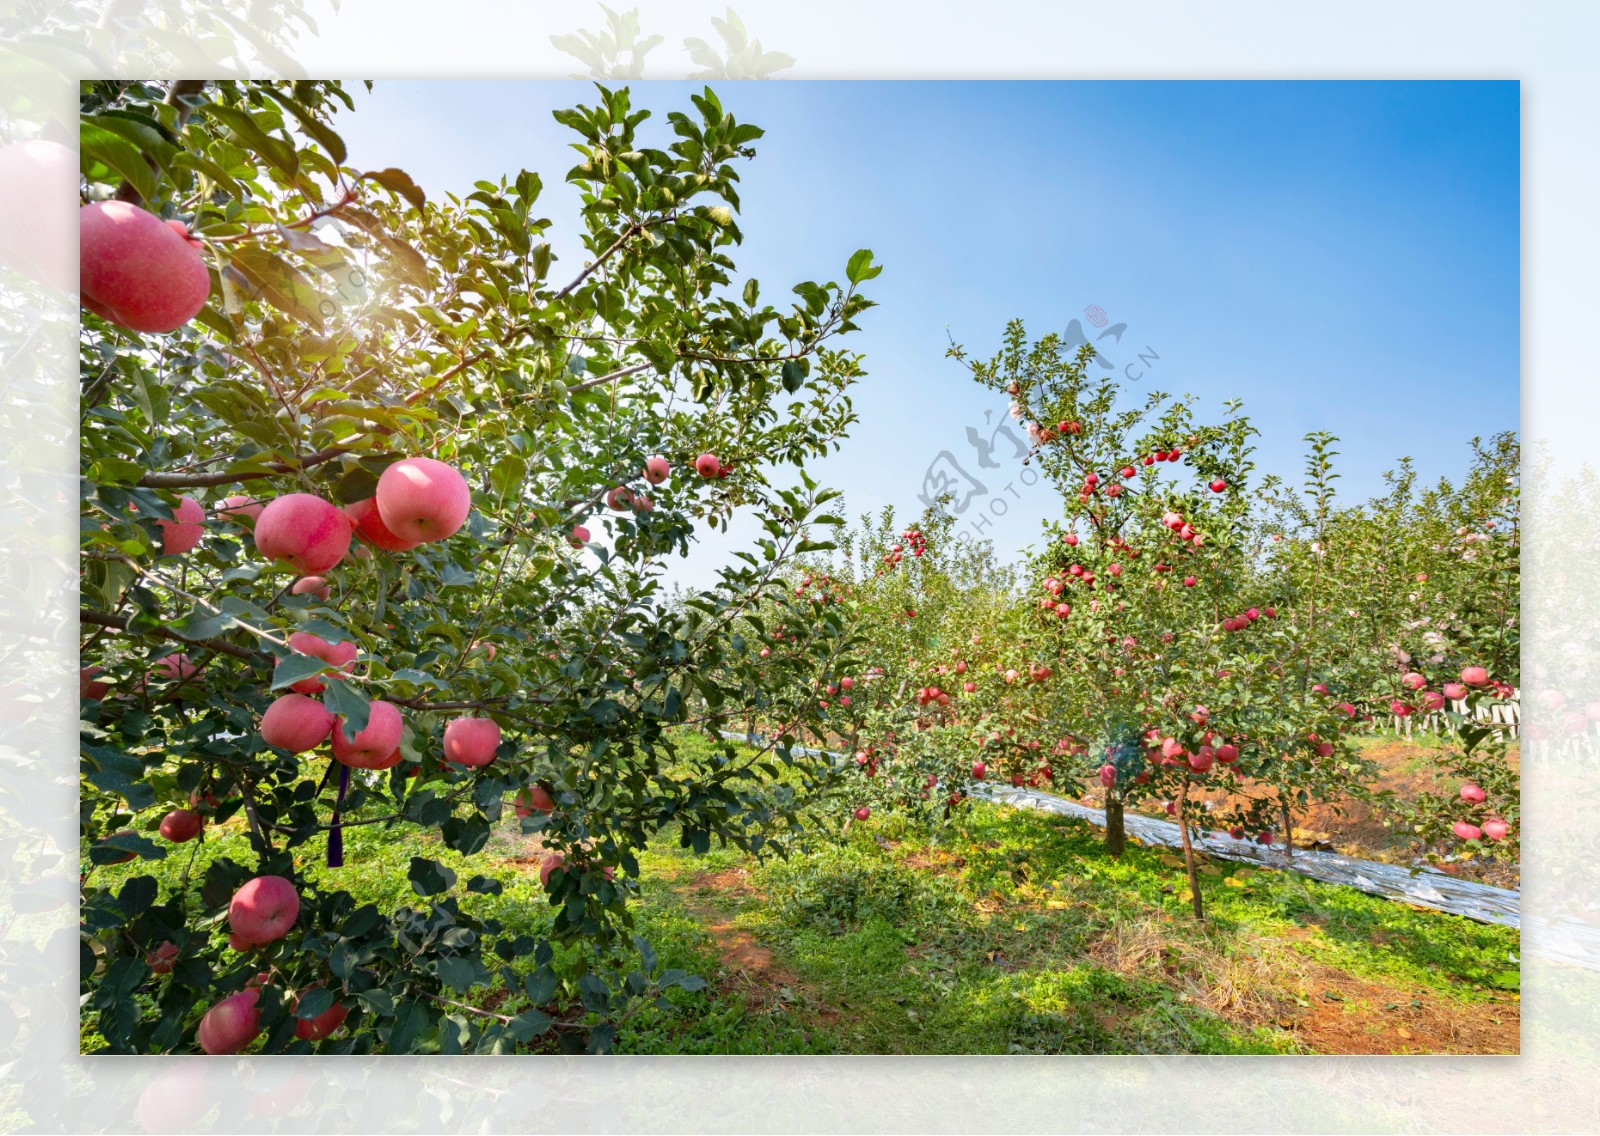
point(1343, 256)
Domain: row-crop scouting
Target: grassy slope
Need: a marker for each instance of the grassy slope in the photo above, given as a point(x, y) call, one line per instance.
point(1010, 931)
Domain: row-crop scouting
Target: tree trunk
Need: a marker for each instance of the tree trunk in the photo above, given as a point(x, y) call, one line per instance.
point(1188, 853)
point(1116, 834)
point(1288, 834)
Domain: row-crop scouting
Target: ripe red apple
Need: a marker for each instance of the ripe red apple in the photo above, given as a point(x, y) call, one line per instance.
point(1227, 754)
point(1411, 680)
point(1454, 691)
point(863, 813)
point(765, 652)
point(656, 470)
point(548, 867)
point(263, 910)
point(323, 1025)
point(161, 960)
point(1218, 485)
point(303, 530)
point(1466, 830)
point(312, 586)
point(91, 687)
point(531, 798)
point(369, 525)
point(1324, 749)
point(176, 666)
point(707, 465)
point(620, 499)
point(231, 1024)
point(1189, 581)
point(1108, 775)
point(137, 271)
point(341, 655)
point(180, 825)
point(1475, 676)
point(423, 499)
point(969, 687)
point(185, 531)
point(377, 746)
point(1236, 832)
point(471, 741)
point(1432, 700)
point(1473, 794)
point(296, 722)
point(580, 536)
point(979, 769)
point(1495, 829)
point(241, 508)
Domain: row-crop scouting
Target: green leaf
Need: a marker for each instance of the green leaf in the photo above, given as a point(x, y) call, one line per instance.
point(530, 1024)
point(295, 667)
point(345, 701)
point(278, 151)
point(280, 283)
point(485, 885)
point(861, 267)
point(429, 877)
point(458, 973)
point(317, 1000)
point(794, 375)
point(326, 138)
point(97, 144)
point(400, 182)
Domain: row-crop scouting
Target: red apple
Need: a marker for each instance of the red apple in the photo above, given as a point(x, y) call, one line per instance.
point(1475, 676)
point(241, 508)
point(1218, 485)
point(548, 867)
point(161, 960)
point(707, 466)
point(184, 532)
point(377, 746)
point(1473, 794)
point(180, 825)
point(369, 525)
point(263, 910)
point(311, 586)
point(1432, 700)
point(306, 532)
point(296, 722)
point(136, 271)
point(323, 1025)
point(471, 741)
point(580, 536)
point(620, 498)
point(91, 687)
point(1227, 754)
point(979, 770)
point(656, 470)
point(1495, 829)
point(1411, 680)
point(1466, 830)
point(341, 655)
point(231, 1024)
point(1454, 691)
point(531, 798)
point(423, 499)
point(863, 813)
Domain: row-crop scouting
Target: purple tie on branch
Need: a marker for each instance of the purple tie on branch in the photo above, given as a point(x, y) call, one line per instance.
point(336, 832)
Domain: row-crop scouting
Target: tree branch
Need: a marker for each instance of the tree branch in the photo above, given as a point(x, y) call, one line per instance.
point(120, 623)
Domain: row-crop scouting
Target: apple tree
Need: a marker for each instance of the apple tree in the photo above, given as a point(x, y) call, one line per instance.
point(377, 495)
